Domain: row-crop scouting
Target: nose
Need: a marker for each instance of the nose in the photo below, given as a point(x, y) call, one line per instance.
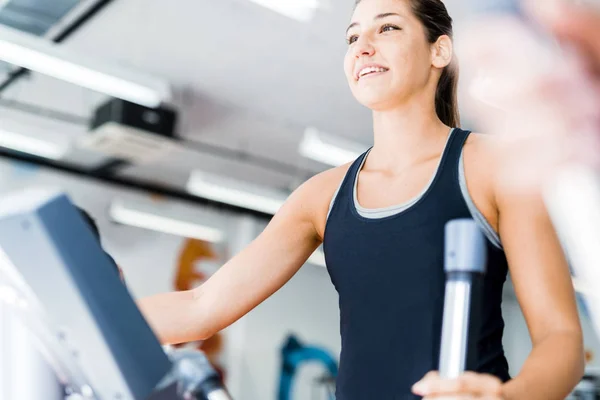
point(363, 47)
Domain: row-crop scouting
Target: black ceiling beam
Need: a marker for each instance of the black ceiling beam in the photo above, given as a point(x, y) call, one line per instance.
point(68, 31)
point(12, 78)
point(128, 183)
point(113, 165)
point(110, 166)
point(46, 112)
point(82, 19)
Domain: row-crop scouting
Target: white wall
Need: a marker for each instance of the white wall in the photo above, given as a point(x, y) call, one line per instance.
point(306, 307)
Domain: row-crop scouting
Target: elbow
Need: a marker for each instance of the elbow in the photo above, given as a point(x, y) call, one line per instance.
point(572, 352)
point(203, 331)
point(578, 354)
point(203, 324)
point(205, 334)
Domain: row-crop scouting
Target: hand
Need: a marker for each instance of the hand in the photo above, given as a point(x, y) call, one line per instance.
point(469, 386)
point(542, 105)
point(579, 27)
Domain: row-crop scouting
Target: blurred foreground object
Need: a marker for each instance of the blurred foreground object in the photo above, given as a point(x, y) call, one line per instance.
point(531, 71)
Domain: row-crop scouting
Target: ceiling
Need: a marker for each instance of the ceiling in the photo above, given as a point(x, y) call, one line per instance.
point(246, 81)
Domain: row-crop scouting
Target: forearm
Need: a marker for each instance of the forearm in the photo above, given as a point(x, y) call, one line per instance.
point(174, 316)
point(553, 368)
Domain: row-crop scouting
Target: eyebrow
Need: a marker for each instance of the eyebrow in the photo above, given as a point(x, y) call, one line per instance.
point(378, 16)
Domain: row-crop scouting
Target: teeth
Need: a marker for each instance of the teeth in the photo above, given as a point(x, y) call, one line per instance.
point(370, 70)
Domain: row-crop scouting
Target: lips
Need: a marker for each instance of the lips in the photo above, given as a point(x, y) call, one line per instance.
point(370, 69)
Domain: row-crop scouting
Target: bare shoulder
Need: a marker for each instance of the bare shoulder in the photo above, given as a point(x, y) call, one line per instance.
point(482, 146)
point(315, 195)
point(515, 165)
point(480, 156)
point(501, 170)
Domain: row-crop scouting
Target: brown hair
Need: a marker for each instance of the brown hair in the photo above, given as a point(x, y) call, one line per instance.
point(437, 22)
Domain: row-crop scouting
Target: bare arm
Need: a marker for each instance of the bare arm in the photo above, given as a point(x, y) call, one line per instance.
point(545, 293)
point(248, 278)
point(540, 276)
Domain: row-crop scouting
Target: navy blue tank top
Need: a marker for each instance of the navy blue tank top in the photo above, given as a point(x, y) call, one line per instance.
point(389, 274)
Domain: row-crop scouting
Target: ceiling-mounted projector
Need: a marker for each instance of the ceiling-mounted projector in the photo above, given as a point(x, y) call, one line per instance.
point(132, 132)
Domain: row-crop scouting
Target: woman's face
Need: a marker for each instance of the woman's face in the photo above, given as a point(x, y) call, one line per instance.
point(389, 58)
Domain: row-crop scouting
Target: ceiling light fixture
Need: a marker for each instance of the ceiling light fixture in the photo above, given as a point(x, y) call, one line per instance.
point(300, 10)
point(234, 192)
point(140, 218)
point(50, 59)
point(31, 145)
point(328, 149)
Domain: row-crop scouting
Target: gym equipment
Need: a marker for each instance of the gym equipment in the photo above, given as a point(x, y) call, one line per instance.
point(96, 342)
point(465, 260)
point(64, 288)
point(195, 376)
point(293, 354)
point(587, 389)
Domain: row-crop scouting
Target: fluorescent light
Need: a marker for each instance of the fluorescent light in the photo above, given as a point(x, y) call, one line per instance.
point(234, 192)
point(125, 215)
point(47, 58)
point(328, 149)
point(300, 10)
point(317, 258)
point(31, 145)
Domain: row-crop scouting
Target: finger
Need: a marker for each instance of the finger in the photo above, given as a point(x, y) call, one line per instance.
point(564, 19)
point(418, 387)
point(471, 383)
point(575, 25)
point(581, 24)
point(431, 375)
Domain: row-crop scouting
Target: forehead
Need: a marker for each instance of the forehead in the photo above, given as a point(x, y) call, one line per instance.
point(368, 9)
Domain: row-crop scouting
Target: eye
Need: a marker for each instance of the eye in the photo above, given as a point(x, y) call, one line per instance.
point(352, 39)
point(389, 27)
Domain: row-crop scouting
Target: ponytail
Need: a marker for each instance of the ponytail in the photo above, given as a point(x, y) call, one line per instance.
point(446, 97)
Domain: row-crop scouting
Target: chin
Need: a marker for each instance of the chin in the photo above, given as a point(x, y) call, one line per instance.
point(377, 102)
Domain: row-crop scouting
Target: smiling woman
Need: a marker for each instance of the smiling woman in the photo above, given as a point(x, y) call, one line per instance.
point(436, 23)
point(381, 221)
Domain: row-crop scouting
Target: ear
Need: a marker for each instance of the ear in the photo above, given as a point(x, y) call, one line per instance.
point(441, 52)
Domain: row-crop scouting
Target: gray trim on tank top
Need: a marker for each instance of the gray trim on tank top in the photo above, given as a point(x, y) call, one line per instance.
point(383, 212)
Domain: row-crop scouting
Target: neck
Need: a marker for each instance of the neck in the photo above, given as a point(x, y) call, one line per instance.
point(406, 134)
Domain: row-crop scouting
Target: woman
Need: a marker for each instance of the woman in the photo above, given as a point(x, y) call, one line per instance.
point(381, 219)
